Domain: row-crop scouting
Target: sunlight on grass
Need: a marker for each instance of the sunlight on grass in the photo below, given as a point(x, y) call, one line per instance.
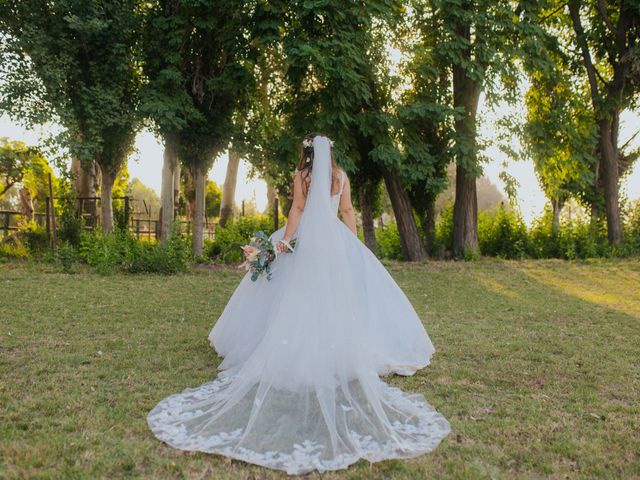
point(617, 288)
point(535, 367)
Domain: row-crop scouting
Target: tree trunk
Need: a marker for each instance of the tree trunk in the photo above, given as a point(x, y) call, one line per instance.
point(272, 194)
point(466, 94)
point(86, 183)
point(366, 212)
point(557, 208)
point(465, 214)
point(429, 228)
point(609, 152)
point(198, 216)
point(176, 190)
point(26, 205)
point(169, 164)
point(106, 202)
point(409, 237)
point(229, 188)
point(170, 161)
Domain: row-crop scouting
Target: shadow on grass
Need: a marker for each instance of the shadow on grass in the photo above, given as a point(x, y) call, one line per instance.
point(536, 368)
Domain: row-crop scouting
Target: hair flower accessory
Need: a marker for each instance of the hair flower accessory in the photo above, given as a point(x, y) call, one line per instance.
point(308, 142)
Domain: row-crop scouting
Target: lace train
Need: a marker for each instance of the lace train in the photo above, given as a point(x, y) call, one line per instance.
point(283, 436)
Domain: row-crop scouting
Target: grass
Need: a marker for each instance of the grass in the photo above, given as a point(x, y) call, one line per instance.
point(537, 368)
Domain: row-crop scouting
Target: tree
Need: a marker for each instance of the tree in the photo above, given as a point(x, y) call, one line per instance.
point(229, 187)
point(16, 160)
point(560, 139)
point(165, 98)
point(610, 53)
point(339, 83)
point(142, 196)
point(217, 79)
point(74, 63)
point(479, 44)
point(425, 118)
point(213, 198)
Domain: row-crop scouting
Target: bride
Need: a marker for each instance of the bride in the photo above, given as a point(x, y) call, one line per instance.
point(299, 388)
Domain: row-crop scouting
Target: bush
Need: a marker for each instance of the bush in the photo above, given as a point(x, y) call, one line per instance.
point(34, 236)
point(120, 250)
point(388, 242)
point(575, 238)
point(67, 256)
point(173, 257)
point(15, 251)
point(632, 230)
point(444, 231)
point(503, 233)
point(237, 232)
point(71, 229)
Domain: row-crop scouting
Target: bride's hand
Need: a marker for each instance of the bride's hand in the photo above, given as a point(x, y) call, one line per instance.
point(281, 246)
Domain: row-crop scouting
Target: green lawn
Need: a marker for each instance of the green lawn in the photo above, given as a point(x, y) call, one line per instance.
point(537, 368)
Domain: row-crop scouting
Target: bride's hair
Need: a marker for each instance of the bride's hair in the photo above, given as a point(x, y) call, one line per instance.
point(305, 165)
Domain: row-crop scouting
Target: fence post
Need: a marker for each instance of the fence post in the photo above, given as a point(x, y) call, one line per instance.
point(53, 213)
point(7, 220)
point(126, 212)
point(243, 208)
point(47, 217)
point(276, 223)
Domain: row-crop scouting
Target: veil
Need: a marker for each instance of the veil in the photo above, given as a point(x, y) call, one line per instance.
point(308, 395)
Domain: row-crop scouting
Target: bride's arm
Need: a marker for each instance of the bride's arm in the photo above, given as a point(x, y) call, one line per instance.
point(346, 207)
point(297, 207)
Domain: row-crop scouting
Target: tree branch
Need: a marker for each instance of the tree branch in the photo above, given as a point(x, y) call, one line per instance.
point(592, 73)
point(602, 9)
point(626, 144)
point(548, 16)
point(6, 188)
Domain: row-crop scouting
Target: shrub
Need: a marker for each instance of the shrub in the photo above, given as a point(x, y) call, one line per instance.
point(172, 257)
point(237, 232)
point(503, 233)
point(632, 230)
point(67, 256)
point(70, 229)
point(120, 250)
point(388, 242)
point(576, 238)
point(34, 236)
point(444, 231)
point(14, 251)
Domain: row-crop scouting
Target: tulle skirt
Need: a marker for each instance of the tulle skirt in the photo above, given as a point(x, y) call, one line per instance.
point(299, 388)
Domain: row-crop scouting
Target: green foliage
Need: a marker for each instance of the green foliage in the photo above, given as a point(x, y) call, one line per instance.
point(71, 226)
point(444, 230)
point(66, 256)
point(20, 163)
point(74, 63)
point(576, 238)
point(388, 242)
point(14, 251)
point(237, 232)
point(212, 200)
point(121, 251)
point(35, 237)
point(503, 233)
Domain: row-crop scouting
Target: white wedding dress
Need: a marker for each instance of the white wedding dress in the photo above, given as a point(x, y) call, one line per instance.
point(299, 387)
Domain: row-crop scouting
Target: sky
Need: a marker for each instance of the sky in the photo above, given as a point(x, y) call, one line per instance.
point(146, 164)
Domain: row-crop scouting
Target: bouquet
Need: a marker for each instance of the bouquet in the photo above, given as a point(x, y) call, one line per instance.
point(260, 253)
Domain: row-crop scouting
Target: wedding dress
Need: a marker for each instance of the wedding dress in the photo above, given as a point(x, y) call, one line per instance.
point(299, 387)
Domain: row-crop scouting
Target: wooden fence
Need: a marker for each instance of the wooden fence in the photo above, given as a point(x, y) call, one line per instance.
point(142, 225)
